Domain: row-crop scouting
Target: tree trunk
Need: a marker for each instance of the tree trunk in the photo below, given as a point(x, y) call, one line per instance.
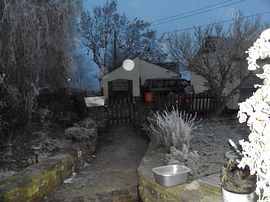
point(220, 108)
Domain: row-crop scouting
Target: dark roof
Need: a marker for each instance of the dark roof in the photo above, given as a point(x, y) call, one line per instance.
point(172, 66)
point(250, 81)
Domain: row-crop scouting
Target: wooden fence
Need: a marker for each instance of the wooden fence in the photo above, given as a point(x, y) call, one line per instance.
point(202, 103)
point(128, 110)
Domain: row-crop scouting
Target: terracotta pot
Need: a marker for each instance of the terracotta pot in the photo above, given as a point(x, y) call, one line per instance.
point(148, 97)
point(238, 197)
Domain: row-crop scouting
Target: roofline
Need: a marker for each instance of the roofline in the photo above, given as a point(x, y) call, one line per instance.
point(140, 59)
point(119, 66)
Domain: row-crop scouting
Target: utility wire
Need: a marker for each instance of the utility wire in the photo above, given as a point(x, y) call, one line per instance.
point(188, 12)
point(205, 25)
point(193, 13)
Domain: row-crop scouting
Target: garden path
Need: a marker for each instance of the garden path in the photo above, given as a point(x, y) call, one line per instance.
point(110, 175)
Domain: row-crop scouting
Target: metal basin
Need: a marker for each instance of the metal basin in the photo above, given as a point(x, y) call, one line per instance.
point(171, 175)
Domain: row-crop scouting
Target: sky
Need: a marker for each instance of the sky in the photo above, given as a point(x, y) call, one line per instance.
point(170, 15)
point(154, 10)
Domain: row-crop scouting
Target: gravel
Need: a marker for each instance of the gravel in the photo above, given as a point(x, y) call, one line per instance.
point(211, 141)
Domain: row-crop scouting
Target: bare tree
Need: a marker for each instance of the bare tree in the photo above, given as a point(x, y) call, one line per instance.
point(81, 79)
point(36, 44)
point(217, 54)
point(112, 37)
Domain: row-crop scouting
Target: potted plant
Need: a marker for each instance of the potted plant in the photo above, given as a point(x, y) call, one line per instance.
point(256, 112)
point(237, 183)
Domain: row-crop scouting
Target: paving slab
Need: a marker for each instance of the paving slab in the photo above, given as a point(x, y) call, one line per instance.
point(213, 180)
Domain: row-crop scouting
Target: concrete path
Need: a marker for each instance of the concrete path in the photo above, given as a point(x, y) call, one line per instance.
point(110, 175)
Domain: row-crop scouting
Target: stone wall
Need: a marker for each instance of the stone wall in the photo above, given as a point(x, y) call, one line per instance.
point(40, 179)
point(201, 190)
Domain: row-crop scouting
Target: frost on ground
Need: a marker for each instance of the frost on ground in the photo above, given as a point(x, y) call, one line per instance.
point(211, 141)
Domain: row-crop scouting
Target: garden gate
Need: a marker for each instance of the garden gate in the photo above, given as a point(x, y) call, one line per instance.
point(120, 111)
point(127, 110)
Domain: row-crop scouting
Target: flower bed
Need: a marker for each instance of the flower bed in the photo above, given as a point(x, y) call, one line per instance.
point(198, 190)
point(33, 183)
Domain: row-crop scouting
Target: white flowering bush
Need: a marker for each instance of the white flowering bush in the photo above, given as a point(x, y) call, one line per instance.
point(256, 112)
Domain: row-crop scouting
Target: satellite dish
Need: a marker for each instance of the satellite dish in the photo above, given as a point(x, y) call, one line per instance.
point(128, 65)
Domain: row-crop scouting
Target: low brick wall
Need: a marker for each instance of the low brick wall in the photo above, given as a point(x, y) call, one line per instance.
point(42, 178)
point(199, 190)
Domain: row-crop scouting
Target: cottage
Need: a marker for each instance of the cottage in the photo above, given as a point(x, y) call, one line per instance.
point(206, 58)
point(122, 83)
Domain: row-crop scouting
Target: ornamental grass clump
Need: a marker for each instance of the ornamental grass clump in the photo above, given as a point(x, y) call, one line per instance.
point(172, 128)
point(256, 112)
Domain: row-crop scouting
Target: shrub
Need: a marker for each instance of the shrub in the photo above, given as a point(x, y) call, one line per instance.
point(185, 157)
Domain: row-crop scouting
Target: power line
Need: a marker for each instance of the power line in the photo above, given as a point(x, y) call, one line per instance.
point(220, 22)
point(204, 10)
point(188, 12)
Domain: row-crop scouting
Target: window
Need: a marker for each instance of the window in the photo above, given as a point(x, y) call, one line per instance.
point(147, 83)
point(120, 85)
point(158, 84)
point(172, 83)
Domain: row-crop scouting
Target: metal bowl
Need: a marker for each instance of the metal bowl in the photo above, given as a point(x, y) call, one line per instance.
point(171, 175)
